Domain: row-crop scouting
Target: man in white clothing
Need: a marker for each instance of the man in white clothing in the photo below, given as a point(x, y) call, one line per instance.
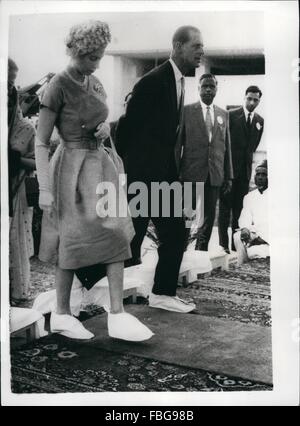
point(251, 239)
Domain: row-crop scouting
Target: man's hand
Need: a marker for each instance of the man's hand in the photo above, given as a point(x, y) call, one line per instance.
point(245, 235)
point(227, 186)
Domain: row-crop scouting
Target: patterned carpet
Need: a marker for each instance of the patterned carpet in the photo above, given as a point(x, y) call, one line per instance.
point(240, 294)
point(51, 365)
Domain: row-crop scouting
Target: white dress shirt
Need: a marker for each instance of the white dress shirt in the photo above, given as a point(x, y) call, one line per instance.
point(246, 112)
point(254, 215)
point(178, 75)
point(211, 110)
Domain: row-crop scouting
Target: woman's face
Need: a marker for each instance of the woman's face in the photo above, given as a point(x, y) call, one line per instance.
point(12, 75)
point(87, 64)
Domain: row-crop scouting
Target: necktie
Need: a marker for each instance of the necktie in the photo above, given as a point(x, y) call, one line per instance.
point(208, 122)
point(181, 106)
point(178, 144)
point(181, 99)
point(248, 123)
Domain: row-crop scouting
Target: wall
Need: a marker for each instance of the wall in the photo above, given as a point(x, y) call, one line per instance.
point(123, 74)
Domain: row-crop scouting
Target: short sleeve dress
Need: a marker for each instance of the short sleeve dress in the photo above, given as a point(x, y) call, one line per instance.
point(21, 139)
point(75, 236)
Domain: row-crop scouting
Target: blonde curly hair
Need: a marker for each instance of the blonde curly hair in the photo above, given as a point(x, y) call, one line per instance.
point(87, 37)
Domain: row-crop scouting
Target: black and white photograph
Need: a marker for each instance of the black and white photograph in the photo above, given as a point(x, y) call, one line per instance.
point(149, 203)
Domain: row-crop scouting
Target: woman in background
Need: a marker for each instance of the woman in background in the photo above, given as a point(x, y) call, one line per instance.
point(21, 136)
point(73, 235)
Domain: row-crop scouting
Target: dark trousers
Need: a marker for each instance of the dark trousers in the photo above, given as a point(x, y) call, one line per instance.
point(211, 194)
point(171, 235)
point(231, 205)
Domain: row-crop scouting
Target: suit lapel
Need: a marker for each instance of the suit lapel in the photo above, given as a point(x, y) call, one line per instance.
point(241, 116)
point(253, 132)
point(216, 112)
point(243, 119)
point(171, 91)
point(254, 121)
point(199, 115)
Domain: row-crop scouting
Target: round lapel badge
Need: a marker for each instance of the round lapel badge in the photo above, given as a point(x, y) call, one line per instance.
point(220, 119)
point(98, 88)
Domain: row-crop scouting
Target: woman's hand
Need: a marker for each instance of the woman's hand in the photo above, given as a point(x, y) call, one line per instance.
point(103, 131)
point(46, 202)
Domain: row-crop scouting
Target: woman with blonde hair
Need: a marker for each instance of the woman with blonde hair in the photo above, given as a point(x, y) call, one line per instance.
point(73, 234)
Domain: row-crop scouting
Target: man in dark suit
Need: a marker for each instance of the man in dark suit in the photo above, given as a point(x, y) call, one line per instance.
point(246, 128)
point(150, 145)
point(115, 126)
point(207, 152)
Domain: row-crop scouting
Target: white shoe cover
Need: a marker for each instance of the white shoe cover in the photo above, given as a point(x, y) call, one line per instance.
point(68, 326)
point(127, 327)
point(170, 303)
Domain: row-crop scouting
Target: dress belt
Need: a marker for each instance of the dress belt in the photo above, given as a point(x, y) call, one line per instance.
point(91, 144)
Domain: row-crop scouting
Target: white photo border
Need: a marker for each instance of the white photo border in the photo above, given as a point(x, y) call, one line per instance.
point(282, 127)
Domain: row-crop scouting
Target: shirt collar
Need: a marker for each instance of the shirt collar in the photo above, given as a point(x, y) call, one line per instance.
point(177, 72)
point(246, 112)
point(262, 193)
point(204, 106)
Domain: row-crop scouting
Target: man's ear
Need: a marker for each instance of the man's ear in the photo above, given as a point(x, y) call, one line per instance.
point(177, 45)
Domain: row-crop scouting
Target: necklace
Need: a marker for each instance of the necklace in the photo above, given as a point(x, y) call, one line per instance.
point(82, 83)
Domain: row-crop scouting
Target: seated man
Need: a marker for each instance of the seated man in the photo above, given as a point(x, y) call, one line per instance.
point(251, 239)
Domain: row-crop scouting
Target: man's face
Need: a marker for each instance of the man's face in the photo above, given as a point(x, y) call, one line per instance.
point(261, 178)
point(192, 51)
point(251, 101)
point(208, 90)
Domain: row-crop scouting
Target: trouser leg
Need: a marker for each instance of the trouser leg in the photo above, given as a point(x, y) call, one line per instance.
point(210, 200)
point(140, 226)
point(224, 219)
point(172, 236)
point(240, 189)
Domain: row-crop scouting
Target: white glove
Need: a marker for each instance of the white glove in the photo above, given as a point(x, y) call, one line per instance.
point(42, 165)
point(46, 202)
point(103, 131)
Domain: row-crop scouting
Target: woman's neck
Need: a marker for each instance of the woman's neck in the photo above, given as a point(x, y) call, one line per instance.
point(75, 73)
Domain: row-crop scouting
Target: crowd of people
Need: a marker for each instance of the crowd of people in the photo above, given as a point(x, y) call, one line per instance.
point(158, 139)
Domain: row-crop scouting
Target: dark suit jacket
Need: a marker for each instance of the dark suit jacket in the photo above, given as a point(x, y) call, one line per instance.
point(201, 157)
point(242, 146)
point(146, 135)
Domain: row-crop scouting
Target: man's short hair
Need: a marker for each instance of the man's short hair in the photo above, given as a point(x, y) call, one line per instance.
point(182, 34)
point(208, 75)
point(254, 89)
